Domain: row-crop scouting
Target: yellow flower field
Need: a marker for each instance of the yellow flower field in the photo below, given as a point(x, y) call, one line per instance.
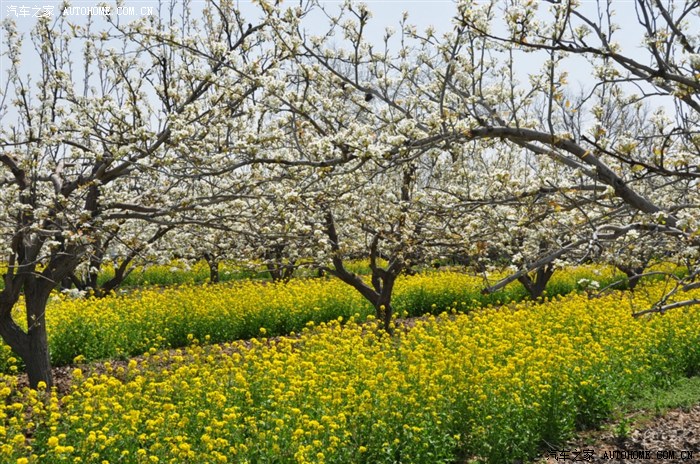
point(491, 385)
point(119, 326)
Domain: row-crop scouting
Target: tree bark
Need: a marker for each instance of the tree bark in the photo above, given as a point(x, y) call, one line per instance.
point(277, 268)
point(213, 264)
point(37, 359)
point(537, 264)
point(31, 346)
point(633, 274)
point(383, 302)
point(274, 271)
point(537, 286)
point(379, 294)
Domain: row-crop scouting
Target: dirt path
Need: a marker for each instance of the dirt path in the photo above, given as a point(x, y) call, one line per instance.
point(673, 437)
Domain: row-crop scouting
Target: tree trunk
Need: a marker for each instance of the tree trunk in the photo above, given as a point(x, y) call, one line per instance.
point(384, 314)
point(632, 281)
point(66, 283)
point(288, 270)
point(633, 275)
point(213, 264)
point(537, 286)
point(274, 271)
point(31, 346)
point(37, 359)
point(384, 288)
point(379, 296)
point(214, 273)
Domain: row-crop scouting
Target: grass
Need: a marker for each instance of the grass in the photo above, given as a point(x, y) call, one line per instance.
point(639, 409)
point(683, 393)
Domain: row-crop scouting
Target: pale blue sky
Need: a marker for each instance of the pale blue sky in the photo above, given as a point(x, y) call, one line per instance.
point(422, 13)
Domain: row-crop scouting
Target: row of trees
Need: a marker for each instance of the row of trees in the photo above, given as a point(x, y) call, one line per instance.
point(206, 134)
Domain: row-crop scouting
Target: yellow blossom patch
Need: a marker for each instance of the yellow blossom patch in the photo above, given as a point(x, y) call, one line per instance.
point(494, 383)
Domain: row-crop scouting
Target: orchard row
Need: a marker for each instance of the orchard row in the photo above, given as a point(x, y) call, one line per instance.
point(291, 134)
point(86, 329)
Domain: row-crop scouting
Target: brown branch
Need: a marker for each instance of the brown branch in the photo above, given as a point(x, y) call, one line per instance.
point(668, 307)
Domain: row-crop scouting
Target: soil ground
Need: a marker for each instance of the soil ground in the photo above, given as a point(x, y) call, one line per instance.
point(672, 437)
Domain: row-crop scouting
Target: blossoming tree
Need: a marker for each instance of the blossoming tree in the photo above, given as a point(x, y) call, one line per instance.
point(632, 130)
point(117, 125)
